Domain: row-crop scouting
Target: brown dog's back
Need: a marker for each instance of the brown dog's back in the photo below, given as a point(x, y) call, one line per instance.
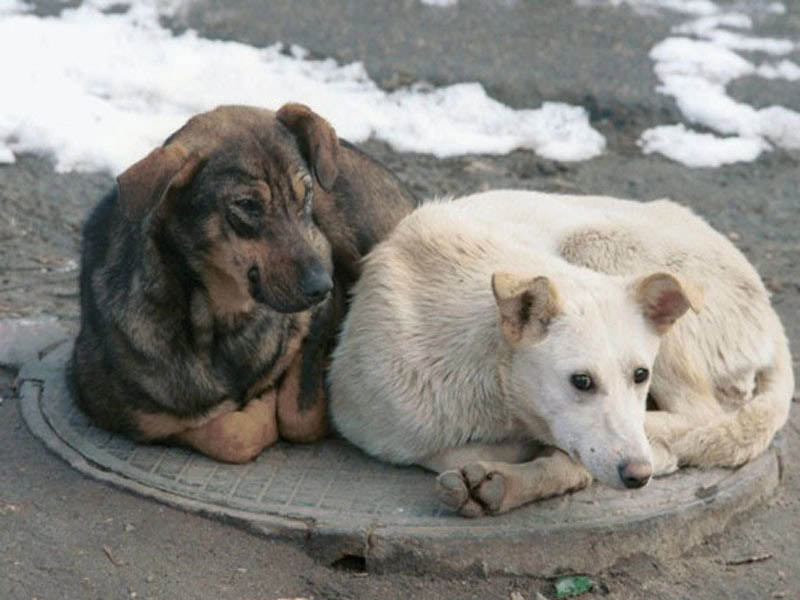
point(195, 270)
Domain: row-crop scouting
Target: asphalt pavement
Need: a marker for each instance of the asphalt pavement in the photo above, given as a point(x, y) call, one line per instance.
point(66, 536)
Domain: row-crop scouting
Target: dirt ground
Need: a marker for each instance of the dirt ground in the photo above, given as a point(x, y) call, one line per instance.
point(65, 536)
point(56, 525)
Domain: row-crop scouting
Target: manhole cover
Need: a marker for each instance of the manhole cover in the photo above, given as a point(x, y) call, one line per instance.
point(339, 503)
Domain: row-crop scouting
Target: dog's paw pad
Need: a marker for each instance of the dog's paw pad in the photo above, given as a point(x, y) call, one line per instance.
point(475, 474)
point(472, 509)
point(452, 489)
point(491, 492)
point(473, 491)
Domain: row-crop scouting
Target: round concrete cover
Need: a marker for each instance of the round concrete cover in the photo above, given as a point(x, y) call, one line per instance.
point(338, 502)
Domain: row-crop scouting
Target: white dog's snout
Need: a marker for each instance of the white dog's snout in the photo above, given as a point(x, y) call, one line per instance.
point(635, 473)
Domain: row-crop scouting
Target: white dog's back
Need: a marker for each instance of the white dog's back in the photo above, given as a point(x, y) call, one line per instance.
point(423, 315)
point(620, 237)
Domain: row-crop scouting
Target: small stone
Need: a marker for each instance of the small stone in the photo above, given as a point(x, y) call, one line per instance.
point(128, 527)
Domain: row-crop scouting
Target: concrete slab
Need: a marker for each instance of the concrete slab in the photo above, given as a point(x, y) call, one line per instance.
point(338, 503)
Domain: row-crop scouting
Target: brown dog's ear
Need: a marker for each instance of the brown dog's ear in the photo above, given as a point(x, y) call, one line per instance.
point(143, 185)
point(317, 139)
point(526, 305)
point(664, 299)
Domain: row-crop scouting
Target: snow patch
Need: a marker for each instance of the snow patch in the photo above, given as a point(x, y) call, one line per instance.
point(695, 149)
point(786, 69)
point(781, 126)
point(464, 116)
point(98, 91)
point(695, 72)
point(12, 6)
point(6, 155)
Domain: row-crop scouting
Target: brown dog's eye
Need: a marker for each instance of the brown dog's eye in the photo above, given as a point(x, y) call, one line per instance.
point(244, 216)
point(250, 206)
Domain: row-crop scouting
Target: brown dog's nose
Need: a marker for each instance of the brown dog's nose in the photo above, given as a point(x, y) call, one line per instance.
point(315, 285)
point(635, 473)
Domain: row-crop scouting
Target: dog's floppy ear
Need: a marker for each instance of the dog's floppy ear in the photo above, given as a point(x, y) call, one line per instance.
point(143, 185)
point(526, 305)
point(317, 140)
point(665, 297)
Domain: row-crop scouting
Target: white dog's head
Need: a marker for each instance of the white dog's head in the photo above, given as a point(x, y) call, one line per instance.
point(583, 352)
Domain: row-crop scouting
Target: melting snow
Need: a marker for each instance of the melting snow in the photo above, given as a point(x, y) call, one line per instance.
point(98, 91)
point(699, 149)
point(695, 72)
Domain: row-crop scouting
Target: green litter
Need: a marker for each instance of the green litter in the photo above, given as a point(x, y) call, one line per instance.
point(573, 586)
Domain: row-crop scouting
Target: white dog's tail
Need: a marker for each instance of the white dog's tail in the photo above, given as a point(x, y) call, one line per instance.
point(744, 434)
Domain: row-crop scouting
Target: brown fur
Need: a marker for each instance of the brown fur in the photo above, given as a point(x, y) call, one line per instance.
point(207, 308)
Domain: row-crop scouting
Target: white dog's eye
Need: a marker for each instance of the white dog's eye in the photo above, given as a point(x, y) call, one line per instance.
point(640, 375)
point(582, 381)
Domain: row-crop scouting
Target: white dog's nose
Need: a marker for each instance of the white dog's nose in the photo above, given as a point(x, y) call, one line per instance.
point(635, 473)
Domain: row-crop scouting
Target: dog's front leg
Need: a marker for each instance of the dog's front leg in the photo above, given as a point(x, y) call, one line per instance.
point(237, 436)
point(663, 428)
point(488, 487)
point(302, 403)
point(302, 398)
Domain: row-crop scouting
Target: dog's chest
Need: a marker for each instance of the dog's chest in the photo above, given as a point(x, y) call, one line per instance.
point(259, 351)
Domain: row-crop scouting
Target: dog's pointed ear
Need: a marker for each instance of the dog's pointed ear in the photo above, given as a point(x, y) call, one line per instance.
point(665, 298)
point(317, 140)
point(143, 185)
point(527, 305)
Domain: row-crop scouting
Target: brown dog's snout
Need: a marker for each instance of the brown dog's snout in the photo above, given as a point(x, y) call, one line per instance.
point(315, 283)
point(635, 473)
point(290, 285)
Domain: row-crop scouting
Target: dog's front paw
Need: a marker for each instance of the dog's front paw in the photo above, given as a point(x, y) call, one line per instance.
point(473, 491)
point(665, 462)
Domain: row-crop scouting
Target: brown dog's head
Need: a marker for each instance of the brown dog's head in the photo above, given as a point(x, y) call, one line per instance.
point(230, 196)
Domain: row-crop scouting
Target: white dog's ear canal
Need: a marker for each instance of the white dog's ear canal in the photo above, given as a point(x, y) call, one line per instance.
point(527, 305)
point(665, 298)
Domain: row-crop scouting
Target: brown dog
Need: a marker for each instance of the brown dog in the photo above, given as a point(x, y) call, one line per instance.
point(213, 279)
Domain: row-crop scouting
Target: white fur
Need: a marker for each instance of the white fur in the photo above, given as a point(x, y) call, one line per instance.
point(423, 366)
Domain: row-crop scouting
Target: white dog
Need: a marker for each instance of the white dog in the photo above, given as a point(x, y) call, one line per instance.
point(485, 326)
